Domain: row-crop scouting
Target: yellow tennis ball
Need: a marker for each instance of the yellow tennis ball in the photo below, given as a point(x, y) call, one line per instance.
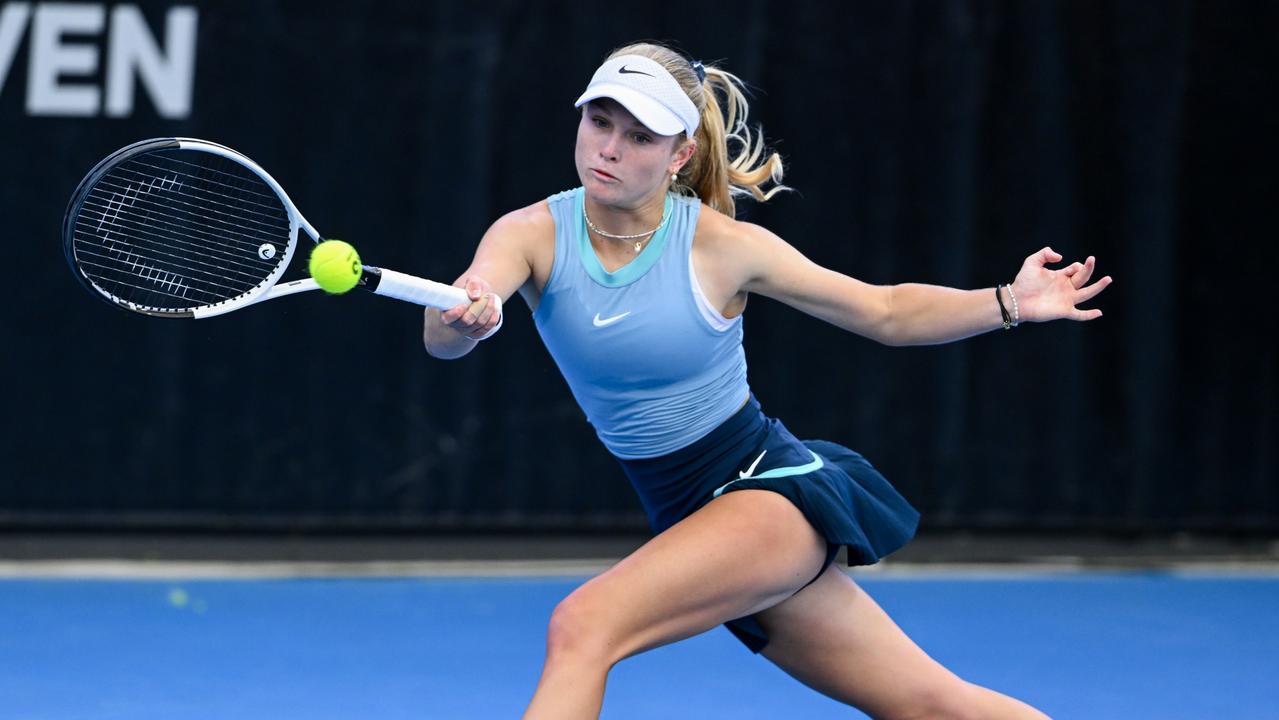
point(335, 265)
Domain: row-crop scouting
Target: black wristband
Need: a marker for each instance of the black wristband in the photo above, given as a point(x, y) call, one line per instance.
point(1003, 311)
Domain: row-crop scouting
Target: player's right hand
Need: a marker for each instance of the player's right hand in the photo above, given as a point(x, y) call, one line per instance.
point(478, 318)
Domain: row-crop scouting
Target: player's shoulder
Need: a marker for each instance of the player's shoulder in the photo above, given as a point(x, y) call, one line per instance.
point(529, 222)
point(529, 217)
point(717, 232)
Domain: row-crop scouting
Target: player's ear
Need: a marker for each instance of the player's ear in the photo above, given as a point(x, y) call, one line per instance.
point(682, 155)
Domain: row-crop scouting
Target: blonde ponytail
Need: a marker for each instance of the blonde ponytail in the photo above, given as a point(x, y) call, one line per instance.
point(712, 174)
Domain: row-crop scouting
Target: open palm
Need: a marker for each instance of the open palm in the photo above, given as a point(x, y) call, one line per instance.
point(1045, 294)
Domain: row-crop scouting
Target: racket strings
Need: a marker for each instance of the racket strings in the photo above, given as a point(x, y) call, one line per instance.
point(229, 213)
point(269, 200)
point(189, 265)
point(170, 285)
point(172, 180)
point(169, 234)
point(165, 225)
point(137, 266)
point(127, 243)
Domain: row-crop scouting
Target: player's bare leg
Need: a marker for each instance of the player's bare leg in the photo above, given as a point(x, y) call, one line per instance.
point(744, 551)
point(834, 638)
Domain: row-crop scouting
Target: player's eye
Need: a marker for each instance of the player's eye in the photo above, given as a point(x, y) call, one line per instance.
point(642, 139)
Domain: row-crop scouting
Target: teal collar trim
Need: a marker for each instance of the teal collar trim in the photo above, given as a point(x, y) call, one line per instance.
point(631, 271)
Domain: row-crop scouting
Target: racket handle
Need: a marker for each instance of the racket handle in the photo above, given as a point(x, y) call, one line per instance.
point(417, 290)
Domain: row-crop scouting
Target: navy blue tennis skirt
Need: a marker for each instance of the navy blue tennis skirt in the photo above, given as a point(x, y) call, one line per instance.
point(841, 494)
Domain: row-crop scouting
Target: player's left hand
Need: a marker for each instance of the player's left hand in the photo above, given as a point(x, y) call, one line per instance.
point(1044, 294)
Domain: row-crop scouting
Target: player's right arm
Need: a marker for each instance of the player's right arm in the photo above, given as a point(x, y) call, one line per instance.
point(503, 264)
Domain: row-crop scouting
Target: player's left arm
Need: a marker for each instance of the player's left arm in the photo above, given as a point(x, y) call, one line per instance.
point(911, 313)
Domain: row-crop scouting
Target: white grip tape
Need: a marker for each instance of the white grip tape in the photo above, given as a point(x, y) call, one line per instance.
point(419, 291)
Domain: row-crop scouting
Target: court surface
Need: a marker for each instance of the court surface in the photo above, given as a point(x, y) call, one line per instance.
point(1095, 645)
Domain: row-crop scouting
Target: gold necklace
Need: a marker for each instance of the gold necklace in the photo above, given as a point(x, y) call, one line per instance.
point(639, 243)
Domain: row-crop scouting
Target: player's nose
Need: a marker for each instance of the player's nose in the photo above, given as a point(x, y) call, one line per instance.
point(609, 150)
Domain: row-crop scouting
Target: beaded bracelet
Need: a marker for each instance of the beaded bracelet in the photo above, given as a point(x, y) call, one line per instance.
point(1016, 310)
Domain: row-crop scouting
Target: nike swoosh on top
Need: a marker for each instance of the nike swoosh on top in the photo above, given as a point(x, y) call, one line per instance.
point(609, 320)
point(624, 71)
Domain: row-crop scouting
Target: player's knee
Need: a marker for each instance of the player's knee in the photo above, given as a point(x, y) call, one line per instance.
point(577, 631)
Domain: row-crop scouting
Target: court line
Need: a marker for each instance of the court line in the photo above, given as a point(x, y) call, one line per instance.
point(254, 570)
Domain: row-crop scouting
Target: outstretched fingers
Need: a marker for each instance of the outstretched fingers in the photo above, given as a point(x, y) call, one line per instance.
point(1056, 294)
point(1088, 292)
point(1083, 295)
point(1080, 273)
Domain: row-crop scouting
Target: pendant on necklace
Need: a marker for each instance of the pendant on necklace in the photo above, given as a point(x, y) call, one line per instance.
point(637, 245)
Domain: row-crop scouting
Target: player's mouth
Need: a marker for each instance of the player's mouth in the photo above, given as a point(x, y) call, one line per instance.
point(601, 175)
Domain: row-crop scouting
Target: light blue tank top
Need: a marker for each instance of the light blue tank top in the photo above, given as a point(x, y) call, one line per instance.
point(640, 354)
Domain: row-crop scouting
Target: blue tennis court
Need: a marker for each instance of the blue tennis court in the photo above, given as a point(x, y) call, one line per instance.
point(1090, 645)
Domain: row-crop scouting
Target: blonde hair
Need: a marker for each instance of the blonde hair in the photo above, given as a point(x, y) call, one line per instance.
point(711, 174)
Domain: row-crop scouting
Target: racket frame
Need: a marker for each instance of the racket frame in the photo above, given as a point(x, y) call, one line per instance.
point(265, 290)
point(377, 280)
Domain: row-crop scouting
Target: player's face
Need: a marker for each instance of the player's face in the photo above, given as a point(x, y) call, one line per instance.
point(619, 160)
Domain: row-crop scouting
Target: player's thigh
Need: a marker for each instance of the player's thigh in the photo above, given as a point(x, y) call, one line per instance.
point(835, 638)
point(742, 552)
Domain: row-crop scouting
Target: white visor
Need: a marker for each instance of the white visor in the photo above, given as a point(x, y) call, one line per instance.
point(650, 93)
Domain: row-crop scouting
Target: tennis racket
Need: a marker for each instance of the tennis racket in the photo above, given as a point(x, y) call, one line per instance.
point(184, 228)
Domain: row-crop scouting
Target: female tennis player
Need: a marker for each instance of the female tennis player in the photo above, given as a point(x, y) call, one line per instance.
point(637, 282)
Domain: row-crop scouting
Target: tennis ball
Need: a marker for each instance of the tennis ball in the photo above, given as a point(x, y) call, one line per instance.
point(335, 266)
point(178, 597)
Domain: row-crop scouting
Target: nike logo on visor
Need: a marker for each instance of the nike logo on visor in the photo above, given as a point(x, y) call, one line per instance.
point(608, 320)
point(624, 71)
